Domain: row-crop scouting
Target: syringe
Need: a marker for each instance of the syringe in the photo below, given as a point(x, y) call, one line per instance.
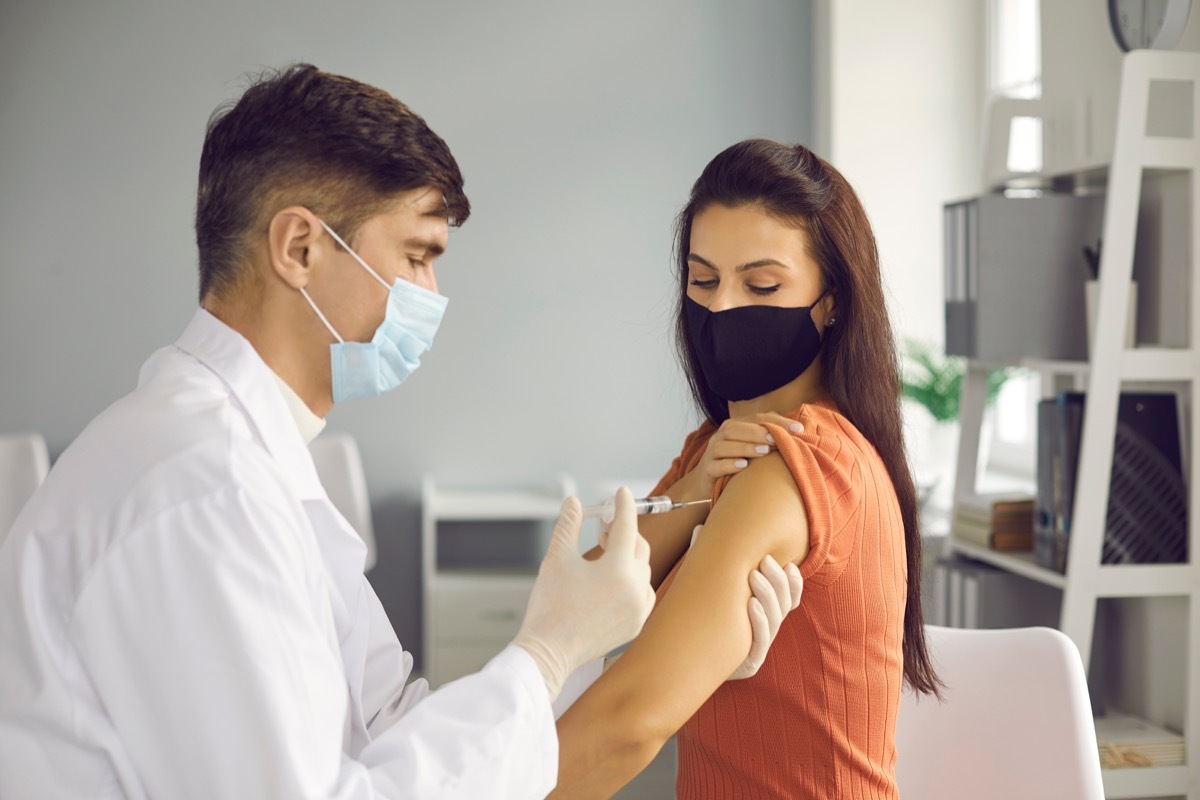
point(658, 504)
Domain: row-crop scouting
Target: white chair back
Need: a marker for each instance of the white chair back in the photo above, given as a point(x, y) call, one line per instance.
point(1016, 720)
point(339, 466)
point(24, 462)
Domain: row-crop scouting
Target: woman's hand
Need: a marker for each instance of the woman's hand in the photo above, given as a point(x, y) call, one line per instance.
point(732, 447)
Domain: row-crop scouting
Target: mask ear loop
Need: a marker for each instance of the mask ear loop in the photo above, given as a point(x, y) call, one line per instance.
point(357, 258)
point(322, 316)
point(365, 266)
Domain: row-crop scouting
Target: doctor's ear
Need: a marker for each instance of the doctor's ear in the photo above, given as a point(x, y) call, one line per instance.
point(291, 236)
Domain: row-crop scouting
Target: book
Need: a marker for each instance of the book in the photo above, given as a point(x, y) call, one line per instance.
point(1048, 476)
point(1070, 431)
point(1000, 521)
point(997, 539)
point(996, 503)
point(1012, 523)
point(1128, 741)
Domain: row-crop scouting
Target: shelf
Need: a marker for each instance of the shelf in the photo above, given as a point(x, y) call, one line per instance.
point(1018, 561)
point(1145, 781)
point(1145, 580)
point(1078, 369)
point(1150, 364)
point(465, 505)
point(1115, 580)
point(482, 575)
point(1135, 155)
point(1159, 364)
point(1169, 153)
point(475, 585)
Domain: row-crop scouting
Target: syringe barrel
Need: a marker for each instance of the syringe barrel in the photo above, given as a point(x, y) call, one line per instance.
point(641, 505)
point(653, 505)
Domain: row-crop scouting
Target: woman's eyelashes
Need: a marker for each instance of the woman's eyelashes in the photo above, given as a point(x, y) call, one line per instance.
point(707, 284)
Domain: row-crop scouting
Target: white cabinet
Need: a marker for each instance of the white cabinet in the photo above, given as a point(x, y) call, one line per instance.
point(473, 602)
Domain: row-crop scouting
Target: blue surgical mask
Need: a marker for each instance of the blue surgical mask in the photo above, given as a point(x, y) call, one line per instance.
point(368, 369)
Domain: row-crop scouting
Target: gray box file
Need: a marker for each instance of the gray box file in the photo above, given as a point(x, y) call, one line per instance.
point(1015, 274)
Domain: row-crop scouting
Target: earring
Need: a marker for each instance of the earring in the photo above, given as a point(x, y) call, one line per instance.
point(829, 322)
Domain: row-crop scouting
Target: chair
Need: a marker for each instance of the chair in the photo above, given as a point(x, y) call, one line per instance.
point(1016, 721)
point(339, 466)
point(24, 463)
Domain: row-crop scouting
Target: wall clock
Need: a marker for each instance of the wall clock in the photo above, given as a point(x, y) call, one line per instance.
point(1148, 24)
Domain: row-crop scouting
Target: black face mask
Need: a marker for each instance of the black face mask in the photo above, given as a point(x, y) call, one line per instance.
point(749, 351)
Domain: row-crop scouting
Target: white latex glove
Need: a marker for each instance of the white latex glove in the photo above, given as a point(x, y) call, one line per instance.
point(775, 592)
point(579, 609)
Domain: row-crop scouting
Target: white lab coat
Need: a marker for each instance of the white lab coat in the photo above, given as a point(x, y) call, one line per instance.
point(183, 614)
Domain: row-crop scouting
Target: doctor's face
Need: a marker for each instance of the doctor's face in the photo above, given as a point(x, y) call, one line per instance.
point(402, 243)
point(744, 256)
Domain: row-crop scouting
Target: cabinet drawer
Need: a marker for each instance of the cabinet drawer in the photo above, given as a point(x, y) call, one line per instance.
point(450, 660)
point(466, 611)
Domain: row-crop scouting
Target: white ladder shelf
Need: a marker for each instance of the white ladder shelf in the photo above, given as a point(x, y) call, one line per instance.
point(1087, 580)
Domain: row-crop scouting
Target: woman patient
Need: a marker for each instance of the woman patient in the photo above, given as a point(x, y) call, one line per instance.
point(785, 339)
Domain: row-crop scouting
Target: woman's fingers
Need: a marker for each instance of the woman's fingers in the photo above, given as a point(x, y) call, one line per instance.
point(745, 431)
point(739, 441)
point(788, 424)
point(721, 467)
point(738, 449)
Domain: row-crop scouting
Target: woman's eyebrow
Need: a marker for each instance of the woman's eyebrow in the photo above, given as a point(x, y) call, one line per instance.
point(762, 262)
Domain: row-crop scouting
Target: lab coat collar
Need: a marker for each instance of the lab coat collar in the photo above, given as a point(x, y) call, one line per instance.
point(228, 354)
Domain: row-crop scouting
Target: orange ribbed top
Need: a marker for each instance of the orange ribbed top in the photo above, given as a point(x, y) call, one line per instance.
point(819, 718)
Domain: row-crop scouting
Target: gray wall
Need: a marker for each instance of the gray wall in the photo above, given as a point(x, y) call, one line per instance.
point(579, 128)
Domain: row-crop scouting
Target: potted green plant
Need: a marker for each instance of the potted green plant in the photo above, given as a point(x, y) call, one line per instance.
point(934, 380)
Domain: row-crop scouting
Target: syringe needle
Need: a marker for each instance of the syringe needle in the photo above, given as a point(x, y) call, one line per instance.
point(692, 503)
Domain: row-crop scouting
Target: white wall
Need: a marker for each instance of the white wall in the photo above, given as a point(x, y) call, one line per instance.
point(906, 98)
point(579, 129)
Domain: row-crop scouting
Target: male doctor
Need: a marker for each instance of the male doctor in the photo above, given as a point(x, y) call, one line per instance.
point(183, 613)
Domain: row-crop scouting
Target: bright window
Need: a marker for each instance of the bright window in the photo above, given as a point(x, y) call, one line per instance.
point(1015, 70)
point(1015, 48)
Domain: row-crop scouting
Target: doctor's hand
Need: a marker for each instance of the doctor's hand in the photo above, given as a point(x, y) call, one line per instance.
point(579, 610)
point(775, 592)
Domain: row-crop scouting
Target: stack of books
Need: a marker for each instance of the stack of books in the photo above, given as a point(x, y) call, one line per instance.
point(998, 521)
point(1127, 741)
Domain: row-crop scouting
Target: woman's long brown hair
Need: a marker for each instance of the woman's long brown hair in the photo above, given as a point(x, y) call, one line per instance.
point(858, 354)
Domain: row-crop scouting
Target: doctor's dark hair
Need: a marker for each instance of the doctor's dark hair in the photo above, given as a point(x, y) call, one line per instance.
point(299, 136)
point(858, 354)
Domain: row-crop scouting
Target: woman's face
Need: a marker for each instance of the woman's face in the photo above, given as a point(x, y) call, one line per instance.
point(744, 256)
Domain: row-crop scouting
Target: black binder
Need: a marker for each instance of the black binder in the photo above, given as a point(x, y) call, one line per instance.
point(1147, 504)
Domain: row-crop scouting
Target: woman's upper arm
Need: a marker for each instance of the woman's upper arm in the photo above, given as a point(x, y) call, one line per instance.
point(700, 630)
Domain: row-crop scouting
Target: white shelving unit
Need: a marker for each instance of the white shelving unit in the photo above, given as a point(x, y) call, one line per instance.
point(1087, 580)
point(472, 611)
